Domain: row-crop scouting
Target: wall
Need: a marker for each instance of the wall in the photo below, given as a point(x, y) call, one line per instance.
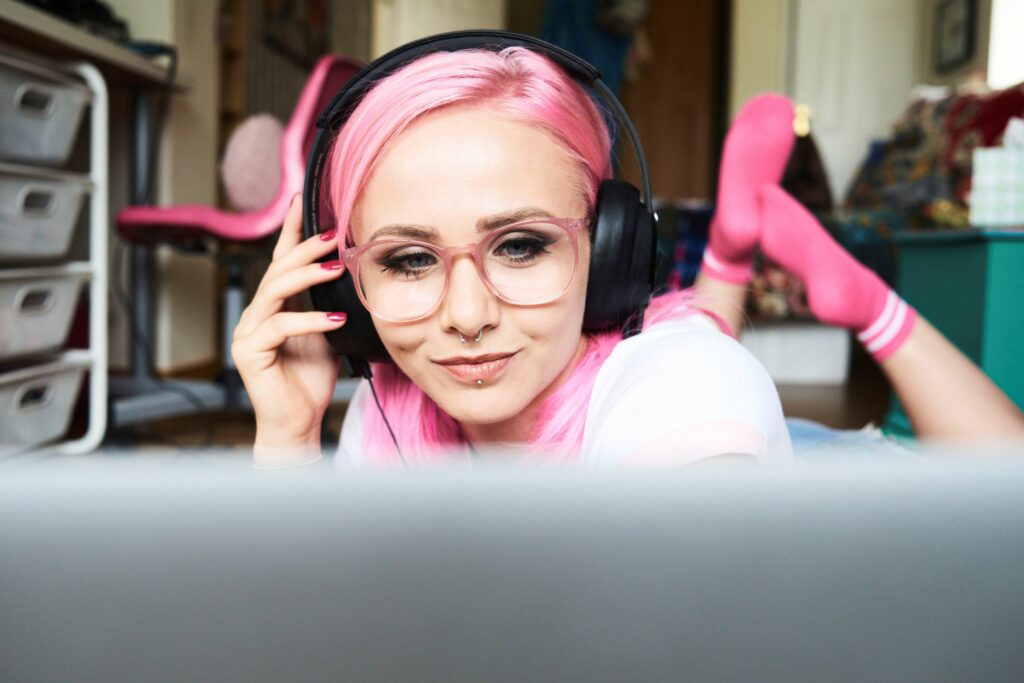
point(1006, 58)
point(398, 21)
point(759, 54)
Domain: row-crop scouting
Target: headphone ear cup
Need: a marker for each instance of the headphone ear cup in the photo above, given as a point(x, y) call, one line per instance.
point(643, 262)
point(357, 338)
point(620, 259)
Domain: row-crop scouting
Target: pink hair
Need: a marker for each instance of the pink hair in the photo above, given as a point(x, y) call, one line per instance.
point(527, 88)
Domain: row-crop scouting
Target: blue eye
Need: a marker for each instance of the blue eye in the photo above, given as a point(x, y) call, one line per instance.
point(411, 264)
point(521, 248)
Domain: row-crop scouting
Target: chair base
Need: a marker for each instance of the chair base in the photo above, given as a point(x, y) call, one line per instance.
point(135, 403)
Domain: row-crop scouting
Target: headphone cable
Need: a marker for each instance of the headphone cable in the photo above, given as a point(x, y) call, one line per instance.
point(380, 409)
point(142, 342)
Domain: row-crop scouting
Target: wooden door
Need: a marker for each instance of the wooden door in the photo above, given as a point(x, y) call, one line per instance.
point(678, 102)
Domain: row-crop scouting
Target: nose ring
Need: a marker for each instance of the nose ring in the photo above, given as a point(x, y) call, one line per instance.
point(479, 336)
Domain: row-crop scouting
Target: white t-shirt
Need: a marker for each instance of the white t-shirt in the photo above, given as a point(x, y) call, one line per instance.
point(679, 392)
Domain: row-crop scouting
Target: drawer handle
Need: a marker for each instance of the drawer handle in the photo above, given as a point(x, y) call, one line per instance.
point(39, 203)
point(34, 300)
point(34, 101)
point(34, 396)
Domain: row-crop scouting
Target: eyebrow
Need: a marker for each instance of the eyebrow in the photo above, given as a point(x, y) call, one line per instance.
point(493, 222)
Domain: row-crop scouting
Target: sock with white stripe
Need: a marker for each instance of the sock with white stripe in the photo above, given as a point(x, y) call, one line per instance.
point(840, 290)
point(755, 152)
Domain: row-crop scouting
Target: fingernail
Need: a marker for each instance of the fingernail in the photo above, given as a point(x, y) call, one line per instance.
point(331, 265)
point(294, 197)
point(329, 235)
point(337, 317)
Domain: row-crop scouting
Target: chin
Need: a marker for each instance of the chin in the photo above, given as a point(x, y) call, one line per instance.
point(480, 406)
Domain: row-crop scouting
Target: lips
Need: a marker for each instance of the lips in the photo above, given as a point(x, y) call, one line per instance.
point(473, 368)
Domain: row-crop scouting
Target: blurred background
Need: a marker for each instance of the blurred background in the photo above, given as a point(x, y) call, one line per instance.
point(899, 99)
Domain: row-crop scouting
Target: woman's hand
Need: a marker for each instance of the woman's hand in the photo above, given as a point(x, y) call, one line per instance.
point(287, 365)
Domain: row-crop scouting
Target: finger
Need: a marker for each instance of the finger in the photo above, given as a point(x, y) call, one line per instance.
point(280, 327)
point(306, 252)
point(277, 288)
point(291, 230)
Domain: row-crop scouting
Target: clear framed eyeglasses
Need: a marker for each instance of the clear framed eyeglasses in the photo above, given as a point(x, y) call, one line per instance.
point(527, 263)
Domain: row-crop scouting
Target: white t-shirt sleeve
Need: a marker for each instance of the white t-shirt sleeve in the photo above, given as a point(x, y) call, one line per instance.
point(350, 443)
point(680, 392)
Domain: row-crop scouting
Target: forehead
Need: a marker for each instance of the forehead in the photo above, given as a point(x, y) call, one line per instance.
point(453, 167)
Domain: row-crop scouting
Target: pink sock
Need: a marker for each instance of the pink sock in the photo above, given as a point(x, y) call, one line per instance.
point(840, 291)
point(755, 152)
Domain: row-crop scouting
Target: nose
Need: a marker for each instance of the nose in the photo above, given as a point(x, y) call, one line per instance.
point(469, 305)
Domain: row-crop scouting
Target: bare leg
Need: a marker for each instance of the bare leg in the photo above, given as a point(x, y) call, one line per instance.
point(945, 395)
point(724, 299)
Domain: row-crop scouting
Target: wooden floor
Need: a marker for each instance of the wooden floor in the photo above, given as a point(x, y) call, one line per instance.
point(863, 399)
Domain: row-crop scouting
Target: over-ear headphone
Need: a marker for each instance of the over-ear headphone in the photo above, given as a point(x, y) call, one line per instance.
point(622, 237)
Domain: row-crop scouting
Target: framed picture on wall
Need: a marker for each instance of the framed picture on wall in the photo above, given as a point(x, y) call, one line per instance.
point(954, 34)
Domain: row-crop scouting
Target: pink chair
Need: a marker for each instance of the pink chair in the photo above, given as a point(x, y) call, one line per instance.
point(190, 227)
point(142, 224)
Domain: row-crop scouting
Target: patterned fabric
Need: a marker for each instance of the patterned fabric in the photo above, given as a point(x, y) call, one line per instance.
point(918, 179)
point(773, 294)
point(923, 171)
point(682, 237)
point(905, 172)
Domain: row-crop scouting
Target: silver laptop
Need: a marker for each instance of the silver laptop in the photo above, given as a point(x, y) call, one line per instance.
point(204, 570)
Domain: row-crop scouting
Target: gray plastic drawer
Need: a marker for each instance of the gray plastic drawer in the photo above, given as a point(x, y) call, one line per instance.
point(38, 212)
point(36, 404)
point(36, 307)
point(40, 112)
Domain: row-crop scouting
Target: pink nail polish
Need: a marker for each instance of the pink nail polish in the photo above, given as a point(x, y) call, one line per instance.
point(337, 317)
point(331, 265)
point(329, 235)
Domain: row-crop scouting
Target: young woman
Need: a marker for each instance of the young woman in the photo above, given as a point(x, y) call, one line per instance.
point(504, 152)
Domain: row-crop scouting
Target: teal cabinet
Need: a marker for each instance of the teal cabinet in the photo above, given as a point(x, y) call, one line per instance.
point(969, 285)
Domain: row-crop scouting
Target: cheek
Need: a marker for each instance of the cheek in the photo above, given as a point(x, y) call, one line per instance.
point(560, 323)
point(402, 340)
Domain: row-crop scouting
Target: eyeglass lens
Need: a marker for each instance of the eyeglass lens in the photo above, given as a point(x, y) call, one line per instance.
point(527, 264)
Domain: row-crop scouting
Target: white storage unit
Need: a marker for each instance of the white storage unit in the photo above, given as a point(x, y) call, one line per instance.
point(36, 307)
point(41, 107)
point(37, 401)
point(39, 209)
point(40, 112)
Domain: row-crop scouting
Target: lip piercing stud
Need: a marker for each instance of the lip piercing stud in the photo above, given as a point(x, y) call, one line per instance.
point(479, 382)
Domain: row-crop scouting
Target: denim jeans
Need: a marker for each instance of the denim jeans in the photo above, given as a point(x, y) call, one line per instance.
point(814, 441)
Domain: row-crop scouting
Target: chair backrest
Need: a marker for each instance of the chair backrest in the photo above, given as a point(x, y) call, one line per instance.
point(329, 75)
